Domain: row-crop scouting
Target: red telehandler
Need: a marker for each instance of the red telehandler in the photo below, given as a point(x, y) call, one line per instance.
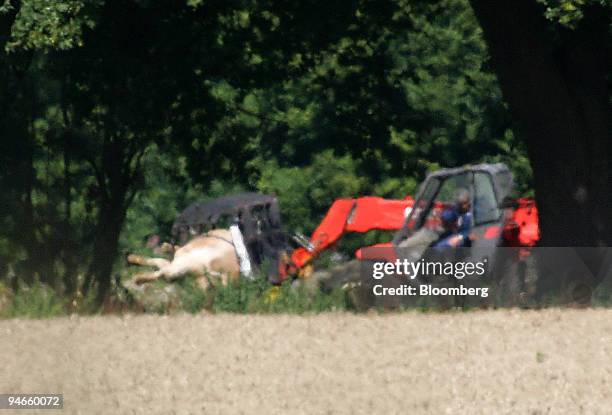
point(497, 218)
point(498, 221)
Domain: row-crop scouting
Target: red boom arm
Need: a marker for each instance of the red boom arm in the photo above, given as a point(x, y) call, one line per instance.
point(353, 215)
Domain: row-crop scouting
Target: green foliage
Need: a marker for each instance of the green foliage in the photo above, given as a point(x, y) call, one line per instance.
point(34, 301)
point(569, 13)
point(305, 193)
point(192, 298)
point(47, 24)
point(257, 296)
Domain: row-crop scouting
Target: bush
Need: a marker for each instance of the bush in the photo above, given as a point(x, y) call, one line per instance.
point(35, 301)
point(305, 193)
point(259, 296)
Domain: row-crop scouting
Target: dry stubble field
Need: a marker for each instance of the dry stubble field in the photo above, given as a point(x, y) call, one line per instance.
point(485, 362)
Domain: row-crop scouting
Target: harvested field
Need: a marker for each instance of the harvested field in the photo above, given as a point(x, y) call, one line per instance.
point(482, 362)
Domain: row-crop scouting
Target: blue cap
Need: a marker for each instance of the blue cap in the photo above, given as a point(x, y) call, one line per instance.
point(449, 216)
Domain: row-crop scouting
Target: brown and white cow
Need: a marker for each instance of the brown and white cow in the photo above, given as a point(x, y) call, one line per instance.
point(211, 255)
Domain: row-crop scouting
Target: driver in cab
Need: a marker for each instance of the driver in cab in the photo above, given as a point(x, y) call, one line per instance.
point(456, 223)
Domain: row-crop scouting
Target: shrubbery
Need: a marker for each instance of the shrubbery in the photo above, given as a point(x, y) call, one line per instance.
point(34, 301)
point(242, 296)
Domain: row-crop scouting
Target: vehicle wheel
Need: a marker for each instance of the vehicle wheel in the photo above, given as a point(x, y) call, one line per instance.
point(338, 276)
point(348, 276)
point(581, 294)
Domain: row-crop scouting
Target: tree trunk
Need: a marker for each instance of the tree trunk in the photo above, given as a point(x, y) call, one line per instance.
point(115, 180)
point(108, 230)
point(117, 188)
point(557, 91)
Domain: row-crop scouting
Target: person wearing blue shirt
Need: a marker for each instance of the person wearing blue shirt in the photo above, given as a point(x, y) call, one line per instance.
point(457, 223)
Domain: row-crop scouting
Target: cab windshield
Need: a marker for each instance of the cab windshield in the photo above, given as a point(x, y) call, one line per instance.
point(439, 195)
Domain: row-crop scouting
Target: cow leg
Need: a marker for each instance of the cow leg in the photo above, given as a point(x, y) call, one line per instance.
point(216, 277)
point(143, 277)
point(167, 248)
point(203, 281)
point(210, 279)
point(146, 261)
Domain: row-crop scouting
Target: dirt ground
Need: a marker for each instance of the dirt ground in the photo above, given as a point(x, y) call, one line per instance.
point(485, 362)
